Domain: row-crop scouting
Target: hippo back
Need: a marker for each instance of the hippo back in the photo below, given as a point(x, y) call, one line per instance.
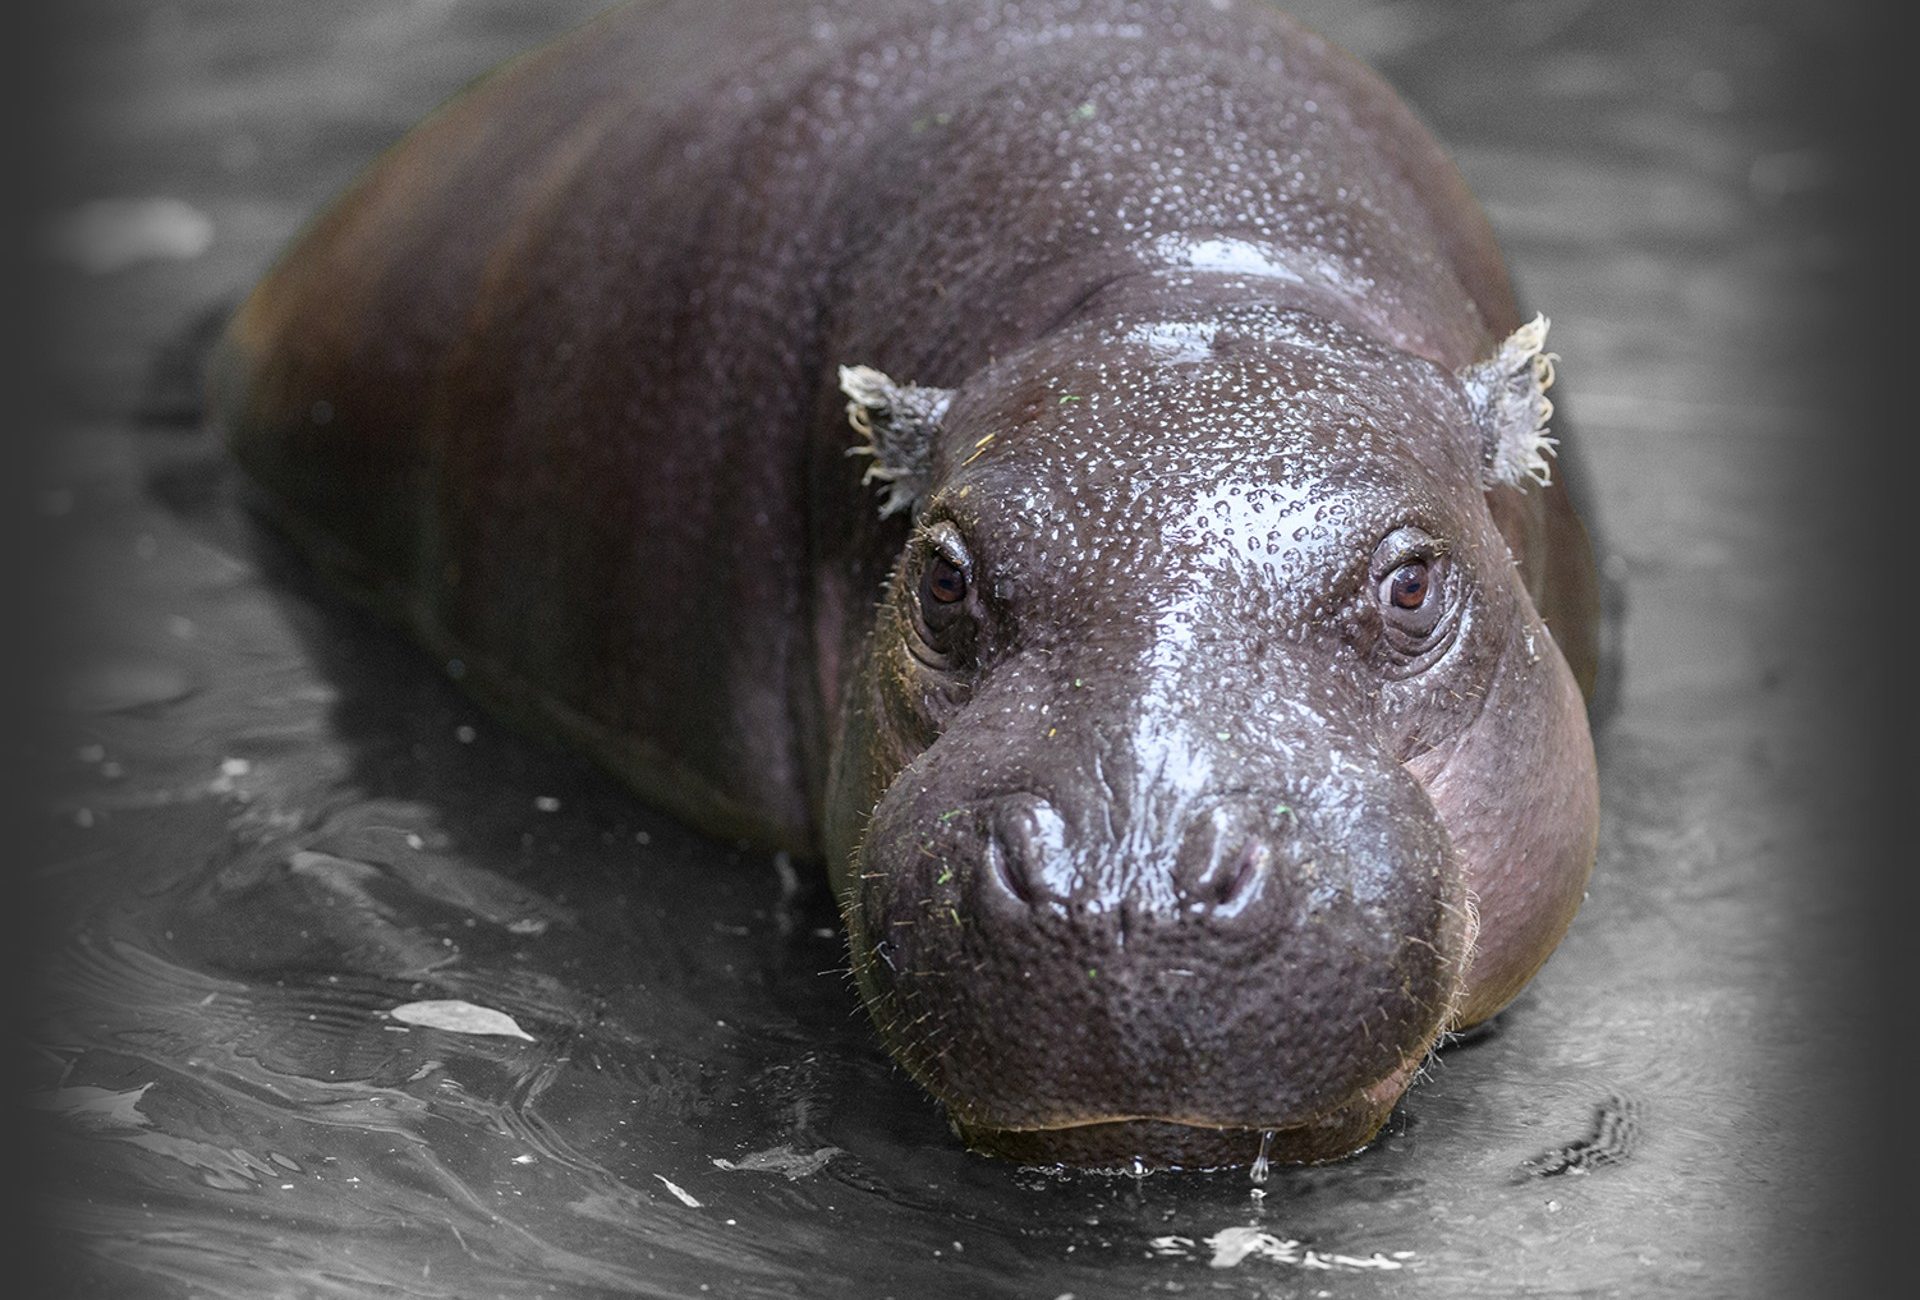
point(553, 382)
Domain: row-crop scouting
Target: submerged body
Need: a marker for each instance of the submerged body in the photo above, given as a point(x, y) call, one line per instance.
point(1207, 755)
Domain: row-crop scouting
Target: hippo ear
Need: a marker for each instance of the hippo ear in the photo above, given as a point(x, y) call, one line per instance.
point(897, 424)
point(1508, 396)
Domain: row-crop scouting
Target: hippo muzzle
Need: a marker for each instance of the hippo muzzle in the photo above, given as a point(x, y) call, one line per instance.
point(1102, 934)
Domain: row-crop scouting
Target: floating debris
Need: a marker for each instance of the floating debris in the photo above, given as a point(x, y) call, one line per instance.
point(1230, 1246)
point(678, 1191)
point(1614, 1135)
point(459, 1017)
point(100, 1110)
point(782, 1159)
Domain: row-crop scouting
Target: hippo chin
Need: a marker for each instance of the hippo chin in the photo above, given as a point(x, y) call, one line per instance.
point(1208, 756)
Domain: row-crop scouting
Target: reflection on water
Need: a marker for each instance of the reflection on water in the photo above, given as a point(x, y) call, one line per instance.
point(278, 825)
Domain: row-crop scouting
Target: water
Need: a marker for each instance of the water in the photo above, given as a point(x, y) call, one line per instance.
point(275, 823)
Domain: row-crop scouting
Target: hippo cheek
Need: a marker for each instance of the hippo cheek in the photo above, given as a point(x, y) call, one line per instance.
point(1257, 987)
point(1518, 793)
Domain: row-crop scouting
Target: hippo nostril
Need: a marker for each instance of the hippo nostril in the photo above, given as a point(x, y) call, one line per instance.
point(1026, 835)
point(1008, 868)
point(1224, 858)
point(1237, 882)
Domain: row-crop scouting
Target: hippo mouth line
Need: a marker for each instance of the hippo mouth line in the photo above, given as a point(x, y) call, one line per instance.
point(1156, 1141)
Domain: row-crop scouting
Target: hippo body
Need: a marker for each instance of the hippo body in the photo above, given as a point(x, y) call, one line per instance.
point(1165, 679)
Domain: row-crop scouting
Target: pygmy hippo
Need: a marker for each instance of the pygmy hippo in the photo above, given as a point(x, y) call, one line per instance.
point(1181, 682)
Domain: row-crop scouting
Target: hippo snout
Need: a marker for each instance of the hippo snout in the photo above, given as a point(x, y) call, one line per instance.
point(1081, 980)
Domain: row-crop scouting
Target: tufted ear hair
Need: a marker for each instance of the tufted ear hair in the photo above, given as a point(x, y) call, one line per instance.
point(1507, 394)
point(897, 424)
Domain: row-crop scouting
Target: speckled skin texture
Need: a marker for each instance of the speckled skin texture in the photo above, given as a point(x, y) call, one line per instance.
point(1172, 843)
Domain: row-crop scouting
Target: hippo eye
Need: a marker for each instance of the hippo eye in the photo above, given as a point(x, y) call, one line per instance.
point(1407, 586)
point(941, 609)
point(942, 583)
point(1409, 571)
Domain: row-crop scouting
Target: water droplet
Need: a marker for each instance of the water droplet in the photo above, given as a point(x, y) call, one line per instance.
point(1259, 1171)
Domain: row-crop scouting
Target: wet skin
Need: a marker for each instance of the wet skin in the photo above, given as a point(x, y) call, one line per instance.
point(1207, 755)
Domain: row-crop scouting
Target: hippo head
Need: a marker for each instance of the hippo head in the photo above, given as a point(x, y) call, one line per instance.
point(1217, 760)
